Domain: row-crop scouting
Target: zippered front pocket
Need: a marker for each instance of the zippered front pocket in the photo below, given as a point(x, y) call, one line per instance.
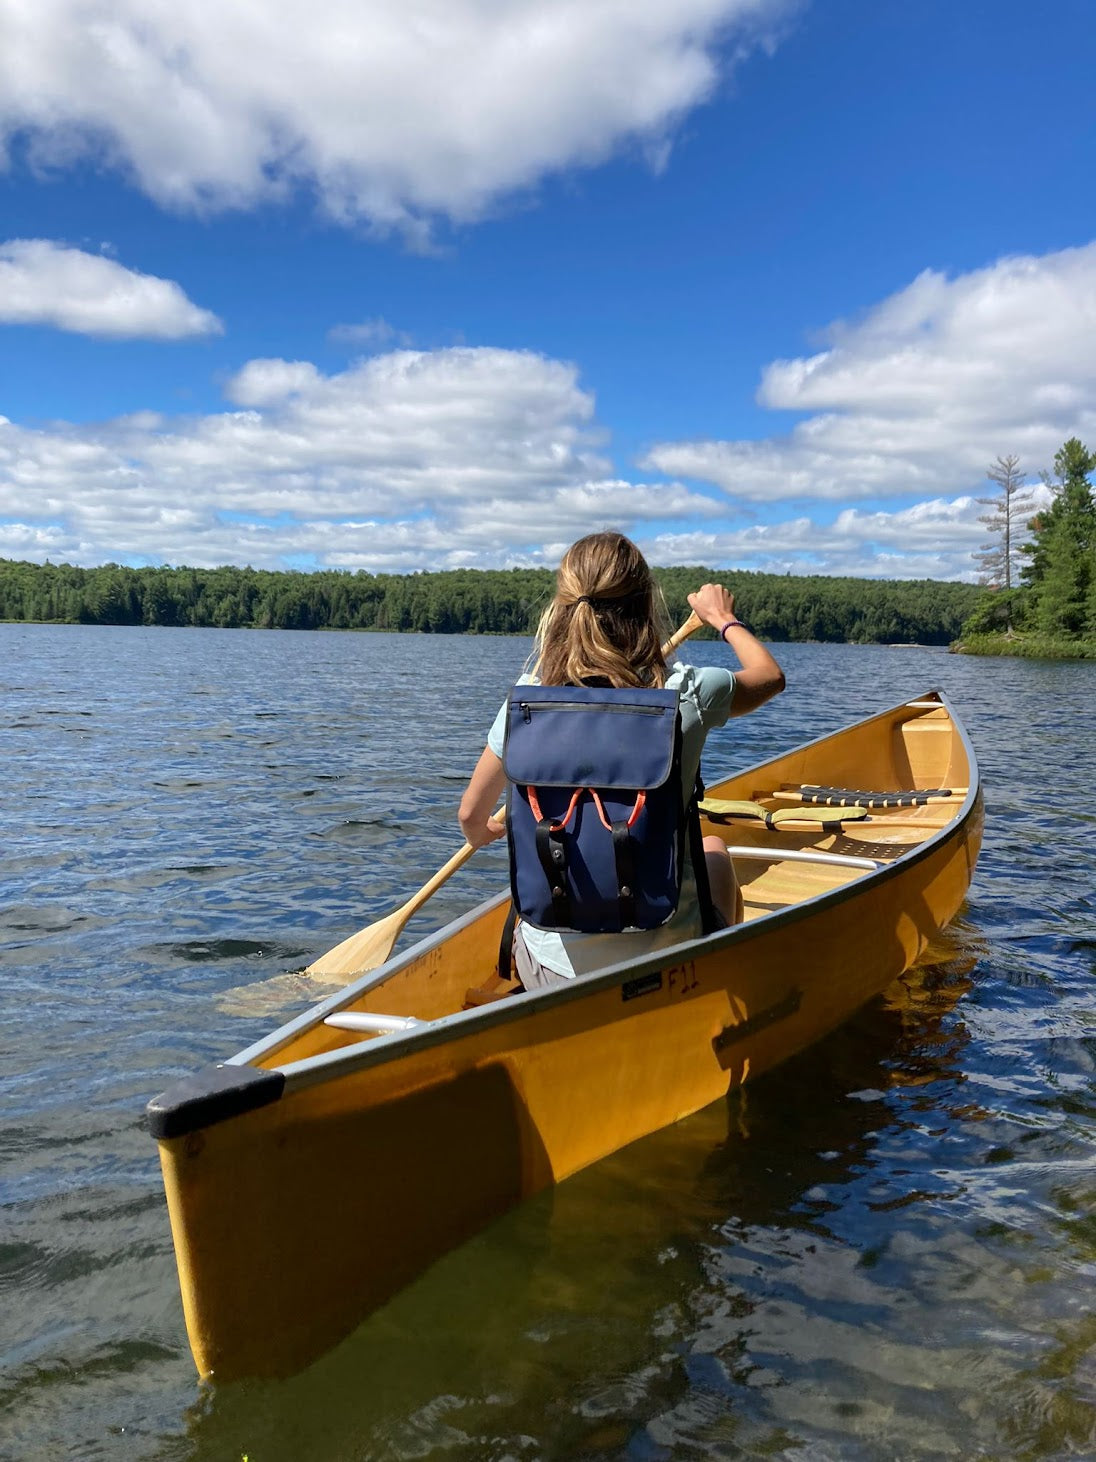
point(528, 707)
point(584, 736)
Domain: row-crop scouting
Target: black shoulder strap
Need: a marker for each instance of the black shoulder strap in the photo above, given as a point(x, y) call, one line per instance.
point(709, 921)
point(506, 943)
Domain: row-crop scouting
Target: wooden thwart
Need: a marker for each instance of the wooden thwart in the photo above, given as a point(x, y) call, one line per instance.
point(491, 990)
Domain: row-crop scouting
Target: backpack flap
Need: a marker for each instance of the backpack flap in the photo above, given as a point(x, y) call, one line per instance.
point(595, 822)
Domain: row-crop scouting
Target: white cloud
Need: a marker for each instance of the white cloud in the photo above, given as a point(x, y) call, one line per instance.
point(46, 283)
point(412, 459)
point(417, 459)
point(392, 111)
point(921, 395)
point(932, 539)
point(268, 382)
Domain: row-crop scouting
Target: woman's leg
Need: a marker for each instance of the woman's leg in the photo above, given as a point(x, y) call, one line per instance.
point(726, 894)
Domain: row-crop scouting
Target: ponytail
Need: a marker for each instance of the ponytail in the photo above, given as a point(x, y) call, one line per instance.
point(608, 618)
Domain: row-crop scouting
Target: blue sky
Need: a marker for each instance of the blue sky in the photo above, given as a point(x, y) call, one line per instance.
point(382, 285)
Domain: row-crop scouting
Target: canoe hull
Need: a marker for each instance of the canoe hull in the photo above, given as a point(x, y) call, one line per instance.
point(294, 1220)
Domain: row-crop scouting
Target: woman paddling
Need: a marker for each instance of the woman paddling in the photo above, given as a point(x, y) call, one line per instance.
point(605, 627)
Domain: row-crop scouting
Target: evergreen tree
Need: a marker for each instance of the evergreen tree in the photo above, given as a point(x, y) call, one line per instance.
point(1062, 568)
point(999, 560)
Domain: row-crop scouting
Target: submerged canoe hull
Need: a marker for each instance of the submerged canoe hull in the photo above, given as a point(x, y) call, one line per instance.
point(294, 1219)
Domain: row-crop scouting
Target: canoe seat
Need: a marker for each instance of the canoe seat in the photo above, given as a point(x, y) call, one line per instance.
point(370, 1024)
point(491, 990)
point(718, 811)
point(848, 797)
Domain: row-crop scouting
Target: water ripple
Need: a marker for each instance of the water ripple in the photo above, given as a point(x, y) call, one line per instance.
point(883, 1250)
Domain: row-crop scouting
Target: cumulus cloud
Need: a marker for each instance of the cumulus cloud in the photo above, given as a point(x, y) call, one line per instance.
point(46, 283)
point(486, 457)
point(393, 112)
point(926, 390)
point(933, 539)
point(268, 382)
point(408, 460)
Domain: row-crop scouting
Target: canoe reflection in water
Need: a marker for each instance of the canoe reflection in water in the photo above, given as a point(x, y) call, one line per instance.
point(312, 1176)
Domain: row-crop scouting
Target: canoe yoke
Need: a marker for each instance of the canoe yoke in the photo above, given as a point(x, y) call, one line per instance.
point(827, 818)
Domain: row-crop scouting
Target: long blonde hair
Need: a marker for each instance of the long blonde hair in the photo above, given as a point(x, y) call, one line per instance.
point(608, 619)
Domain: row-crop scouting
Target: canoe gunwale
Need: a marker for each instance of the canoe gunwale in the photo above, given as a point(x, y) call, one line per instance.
point(393, 1047)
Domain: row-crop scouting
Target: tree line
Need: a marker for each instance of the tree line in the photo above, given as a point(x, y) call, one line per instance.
point(465, 601)
point(1040, 566)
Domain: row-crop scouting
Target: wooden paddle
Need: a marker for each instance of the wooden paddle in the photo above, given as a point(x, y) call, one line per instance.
point(370, 947)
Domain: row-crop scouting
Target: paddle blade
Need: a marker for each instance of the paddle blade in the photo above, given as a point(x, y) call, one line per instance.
point(361, 952)
point(270, 997)
point(355, 956)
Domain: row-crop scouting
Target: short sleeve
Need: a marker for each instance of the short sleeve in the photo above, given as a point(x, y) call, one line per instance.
point(496, 737)
point(711, 689)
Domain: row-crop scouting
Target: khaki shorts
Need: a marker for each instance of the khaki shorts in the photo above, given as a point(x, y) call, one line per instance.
point(532, 974)
point(535, 976)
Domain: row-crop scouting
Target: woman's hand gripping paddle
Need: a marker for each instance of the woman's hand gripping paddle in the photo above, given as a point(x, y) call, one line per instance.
point(371, 946)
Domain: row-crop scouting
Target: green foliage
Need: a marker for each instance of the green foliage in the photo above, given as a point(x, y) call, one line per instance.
point(1026, 647)
point(995, 613)
point(1061, 574)
point(1056, 609)
point(465, 601)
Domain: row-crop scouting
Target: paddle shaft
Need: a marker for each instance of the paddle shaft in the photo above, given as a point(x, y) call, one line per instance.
point(679, 636)
point(444, 873)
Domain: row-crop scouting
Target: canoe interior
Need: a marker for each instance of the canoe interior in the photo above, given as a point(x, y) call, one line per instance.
point(913, 747)
point(381, 1152)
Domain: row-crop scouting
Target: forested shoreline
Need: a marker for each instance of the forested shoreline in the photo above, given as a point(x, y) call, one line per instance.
point(465, 601)
point(1040, 565)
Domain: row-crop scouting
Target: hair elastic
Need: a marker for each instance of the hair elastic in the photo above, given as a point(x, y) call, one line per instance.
point(622, 601)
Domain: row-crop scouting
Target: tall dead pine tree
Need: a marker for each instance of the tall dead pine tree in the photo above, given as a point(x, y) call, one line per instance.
point(999, 559)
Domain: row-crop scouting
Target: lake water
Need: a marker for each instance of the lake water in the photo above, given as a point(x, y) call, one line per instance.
point(884, 1250)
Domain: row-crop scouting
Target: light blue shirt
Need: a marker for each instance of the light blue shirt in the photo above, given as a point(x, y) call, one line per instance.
point(705, 696)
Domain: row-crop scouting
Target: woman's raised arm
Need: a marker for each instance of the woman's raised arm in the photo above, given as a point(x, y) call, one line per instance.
point(760, 677)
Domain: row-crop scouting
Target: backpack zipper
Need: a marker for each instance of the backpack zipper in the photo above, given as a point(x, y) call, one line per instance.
point(528, 707)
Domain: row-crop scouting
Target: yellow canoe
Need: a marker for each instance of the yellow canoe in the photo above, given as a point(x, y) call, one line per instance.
point(314, 1174)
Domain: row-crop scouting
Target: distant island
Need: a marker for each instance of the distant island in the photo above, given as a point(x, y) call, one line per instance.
point(778, 607)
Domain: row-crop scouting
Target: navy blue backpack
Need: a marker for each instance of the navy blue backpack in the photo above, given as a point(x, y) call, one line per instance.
point(595, 820)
